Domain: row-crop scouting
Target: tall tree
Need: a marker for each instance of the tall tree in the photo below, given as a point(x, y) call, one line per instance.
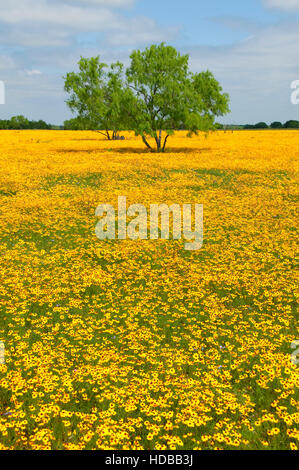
point(168, 96)
point(96, 96)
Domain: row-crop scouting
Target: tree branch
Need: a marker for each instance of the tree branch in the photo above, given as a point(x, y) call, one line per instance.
point(165, 140)
point(103, 133)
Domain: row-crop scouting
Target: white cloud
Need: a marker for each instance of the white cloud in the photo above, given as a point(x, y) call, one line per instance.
point(287, 5)
point(140, 31)
point(42, 23)
point(257, 72)
point(46, 35)
point(49, 36)
point(33, 72)
point(35, 37)
point(28, 12)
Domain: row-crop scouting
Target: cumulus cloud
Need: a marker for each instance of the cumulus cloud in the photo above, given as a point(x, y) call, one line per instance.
point(43, 39)
point(256, 72)
point(39, 12)
point(33, 72)
point(35, 37)
point(43, 23)
point(52, 34)
point(141, 31)
point(287, 5)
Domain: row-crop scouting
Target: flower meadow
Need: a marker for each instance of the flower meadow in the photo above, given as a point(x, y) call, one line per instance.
point(141, 344)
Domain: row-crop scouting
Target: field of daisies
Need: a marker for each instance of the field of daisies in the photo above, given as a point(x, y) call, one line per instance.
point(142, 344)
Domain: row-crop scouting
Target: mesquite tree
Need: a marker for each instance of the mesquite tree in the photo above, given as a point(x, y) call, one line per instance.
point(157, 95)
point(168, 96)
point(98, 97)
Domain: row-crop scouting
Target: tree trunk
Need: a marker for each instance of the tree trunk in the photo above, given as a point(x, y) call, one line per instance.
point(146, 143)
point(164, 145)
point(158, 140)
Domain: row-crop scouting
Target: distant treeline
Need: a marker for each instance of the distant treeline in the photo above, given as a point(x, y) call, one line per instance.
point(274, 125)
point(260, 125)
point(20, 122)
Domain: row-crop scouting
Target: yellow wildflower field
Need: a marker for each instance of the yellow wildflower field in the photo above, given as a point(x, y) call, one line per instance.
point(141, 344)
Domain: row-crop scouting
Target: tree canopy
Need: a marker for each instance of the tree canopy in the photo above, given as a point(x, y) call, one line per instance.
point(168, 96)
point(292, 124)
point(97, 95)
point(157, 95)
point(276, 125)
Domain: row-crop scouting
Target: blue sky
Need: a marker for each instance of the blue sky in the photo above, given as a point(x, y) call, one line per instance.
point(200, 22)
point(251, 47)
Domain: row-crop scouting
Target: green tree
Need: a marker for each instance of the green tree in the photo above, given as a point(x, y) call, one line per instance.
point(118, 99)
point(261, 125)
point(213, 101)
point(74, 124)
point(167, 96)
point(276, 125)
point(4, 124)
point(291, 124)
point(40, 124)
point(97, 96)
point(19, 122)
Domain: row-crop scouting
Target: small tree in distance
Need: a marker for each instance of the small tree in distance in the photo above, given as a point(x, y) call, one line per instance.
point(276, 125)
point(261, 125)
point(291, 125)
